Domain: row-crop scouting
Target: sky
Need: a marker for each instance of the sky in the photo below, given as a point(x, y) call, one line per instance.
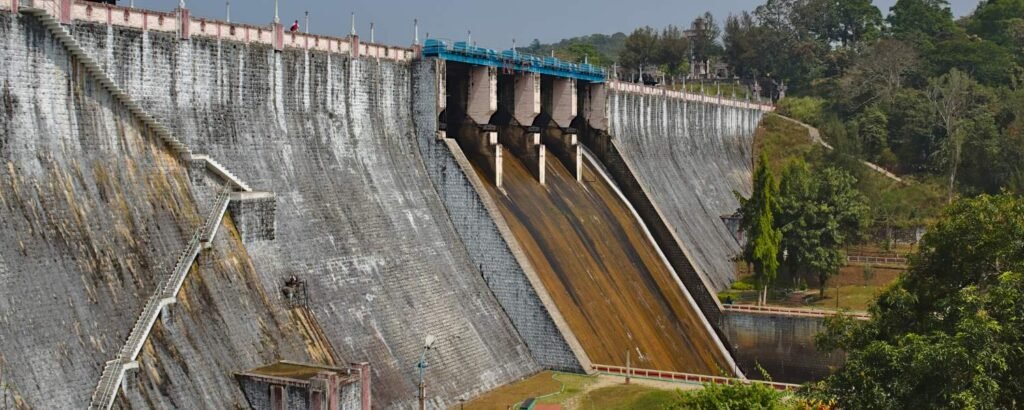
point(493, 24)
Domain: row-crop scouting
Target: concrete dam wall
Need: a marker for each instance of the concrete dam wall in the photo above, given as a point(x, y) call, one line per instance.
point(357, 219)
point(689, 158)
point(95, 212)
point(333, 137)
point(397, 234)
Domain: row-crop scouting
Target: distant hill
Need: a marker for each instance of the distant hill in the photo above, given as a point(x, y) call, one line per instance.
point(606, 46)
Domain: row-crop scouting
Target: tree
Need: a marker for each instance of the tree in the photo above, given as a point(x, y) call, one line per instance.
point(998, 21)
point(740, 45)
point(986, 61)
point(580, 52)
point(846, 23)
point(952, 96)
point(758, 221)
point(920, 21)
point(818, 214)
point(948, 333)
point(872, 130)
point(672, 50)
point(880, 72)
point(641, 48)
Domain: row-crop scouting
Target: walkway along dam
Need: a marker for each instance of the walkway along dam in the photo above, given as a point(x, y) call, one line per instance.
point(166, 180)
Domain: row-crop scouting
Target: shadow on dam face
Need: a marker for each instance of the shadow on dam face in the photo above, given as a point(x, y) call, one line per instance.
point(606, 278)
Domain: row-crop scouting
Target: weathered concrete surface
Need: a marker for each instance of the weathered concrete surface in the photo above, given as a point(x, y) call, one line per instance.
point(356, 216)
point(95, 213)
point(689, 157)
point(462, 192)
point(606, 277)
point(781, 344)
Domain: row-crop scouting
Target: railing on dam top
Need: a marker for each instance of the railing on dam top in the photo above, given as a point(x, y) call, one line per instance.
point(684, 377)
point(794, 311)
point(635, 88)
point(67, 11)
point(463, 52)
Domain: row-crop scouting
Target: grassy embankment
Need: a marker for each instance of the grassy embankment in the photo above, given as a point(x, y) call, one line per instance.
point(573, 391)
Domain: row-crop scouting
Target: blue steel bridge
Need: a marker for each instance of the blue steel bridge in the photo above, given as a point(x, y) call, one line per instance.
point(462, 52)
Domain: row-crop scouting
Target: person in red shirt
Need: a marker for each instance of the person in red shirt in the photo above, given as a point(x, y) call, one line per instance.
point(295, 27)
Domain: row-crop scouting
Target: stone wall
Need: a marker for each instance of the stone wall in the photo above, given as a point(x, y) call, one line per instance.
point(783, 345)
point(480, 233)
point(357, 218)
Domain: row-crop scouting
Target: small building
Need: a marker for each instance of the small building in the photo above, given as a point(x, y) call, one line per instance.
point(297, 386)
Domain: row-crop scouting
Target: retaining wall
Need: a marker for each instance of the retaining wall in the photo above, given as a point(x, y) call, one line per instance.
point(781, 344)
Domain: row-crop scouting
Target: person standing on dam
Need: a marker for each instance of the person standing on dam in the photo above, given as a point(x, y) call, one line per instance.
point(295, 27)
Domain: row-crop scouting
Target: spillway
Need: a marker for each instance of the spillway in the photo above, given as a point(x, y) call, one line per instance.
point(606, 277)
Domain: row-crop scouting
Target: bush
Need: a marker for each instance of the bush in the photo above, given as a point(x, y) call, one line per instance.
point(805, 109)
point(731, 396)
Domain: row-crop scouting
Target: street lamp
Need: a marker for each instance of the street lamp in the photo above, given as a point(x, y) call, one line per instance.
point(422, 365)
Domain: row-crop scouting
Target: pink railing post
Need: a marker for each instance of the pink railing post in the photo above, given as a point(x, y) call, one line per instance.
point(65, 11)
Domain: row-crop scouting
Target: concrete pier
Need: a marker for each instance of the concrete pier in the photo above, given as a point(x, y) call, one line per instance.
point(482, 100)
point(562, 104)
point(527, 98)
point(594, 100)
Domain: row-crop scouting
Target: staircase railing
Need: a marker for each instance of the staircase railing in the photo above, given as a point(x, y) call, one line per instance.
point(113, 371)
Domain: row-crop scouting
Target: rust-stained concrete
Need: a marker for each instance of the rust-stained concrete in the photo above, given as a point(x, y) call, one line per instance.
point(607, 279)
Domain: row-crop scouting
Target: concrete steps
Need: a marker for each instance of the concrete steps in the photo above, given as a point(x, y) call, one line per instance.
point(94, 69)
point(114, 370)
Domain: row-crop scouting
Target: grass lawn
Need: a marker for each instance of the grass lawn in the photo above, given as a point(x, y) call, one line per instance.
point(503, 397)
point(573, 391)
point(857, 289)
point(627, 397)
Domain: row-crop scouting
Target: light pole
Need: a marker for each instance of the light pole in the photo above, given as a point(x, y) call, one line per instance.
point(227, 10)
point(277, 17)
point(422, 365)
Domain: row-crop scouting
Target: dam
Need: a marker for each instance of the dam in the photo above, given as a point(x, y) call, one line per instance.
point(170, 183)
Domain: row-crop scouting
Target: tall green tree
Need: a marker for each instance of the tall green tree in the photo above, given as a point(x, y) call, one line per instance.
point(819, 213)
point(845, 23)
point(672, 50)
point(921, 21)
point(758, 221)
point(641, 48)
point(948, 333)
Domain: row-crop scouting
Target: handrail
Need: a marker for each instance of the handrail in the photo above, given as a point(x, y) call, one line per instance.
point(113, 371)
point(795, 311)
point(686, 377)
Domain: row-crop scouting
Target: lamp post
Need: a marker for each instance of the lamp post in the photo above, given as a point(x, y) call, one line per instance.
point(227, 10)
point(422, 366)
point(277, 17)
